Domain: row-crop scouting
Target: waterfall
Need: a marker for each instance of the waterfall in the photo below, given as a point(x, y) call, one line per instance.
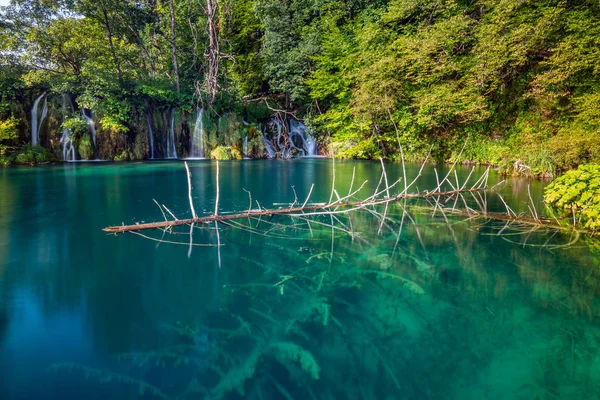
point(299, 139)
point(197, 147)
point(309, 144)
point(171, 151)
point(92, 125)
point(245, 149)
point(68, 150)
point(35, 124)
point(285, 153)
point(150, 135)
point(66, 141)
point(269, 146)
point(90, 120)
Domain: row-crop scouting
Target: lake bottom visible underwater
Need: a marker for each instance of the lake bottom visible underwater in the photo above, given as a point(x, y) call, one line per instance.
point(413, 306)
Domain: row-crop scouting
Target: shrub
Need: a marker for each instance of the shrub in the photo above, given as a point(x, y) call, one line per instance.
point(8, 129)
point(576, 194)
point(5, 161)
point(221, 153)
point(236, 154)
point(75, 124)
point(571, 147)
point(29, 154)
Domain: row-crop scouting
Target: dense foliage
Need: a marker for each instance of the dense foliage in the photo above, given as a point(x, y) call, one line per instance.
point(576, 195)
point(517, 79)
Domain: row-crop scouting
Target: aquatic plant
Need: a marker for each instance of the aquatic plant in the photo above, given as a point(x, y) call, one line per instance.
point(288, 351)
point(110, 377)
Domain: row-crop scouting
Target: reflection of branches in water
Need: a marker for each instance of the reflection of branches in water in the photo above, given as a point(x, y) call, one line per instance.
point(286, 326)
point(335, 213)
point(362, 303)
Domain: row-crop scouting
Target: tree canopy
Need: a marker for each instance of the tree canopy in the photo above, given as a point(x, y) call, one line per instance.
point(519, 78)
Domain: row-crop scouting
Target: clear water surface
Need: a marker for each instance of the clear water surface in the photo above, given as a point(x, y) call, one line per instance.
point(449, 308)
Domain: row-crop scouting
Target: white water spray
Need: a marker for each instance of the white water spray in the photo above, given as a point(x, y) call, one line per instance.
point(197, 147)
point(269, 146)
point(36, 124)
point(68, 150)
point(245, 149)
point(299, 139)
point(150, 135)
point(308, 142)
point(66, 141)
point(90, 120)
point(171, 151)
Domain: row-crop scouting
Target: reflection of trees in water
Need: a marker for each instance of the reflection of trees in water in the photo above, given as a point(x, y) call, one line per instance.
point(428, 315)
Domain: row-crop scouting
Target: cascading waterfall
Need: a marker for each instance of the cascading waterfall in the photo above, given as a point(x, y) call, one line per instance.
point(197, 147)
point(150, 135)
point(309, 144)
point(68, 150)
point(269, 146)
point(245, 149)
point(90, 120)
point(285, 152)
point(299, 139)
point(171, 151)
point(66, 141)
point(36, 124)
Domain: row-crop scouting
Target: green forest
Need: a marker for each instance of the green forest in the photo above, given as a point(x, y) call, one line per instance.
point(515, 83)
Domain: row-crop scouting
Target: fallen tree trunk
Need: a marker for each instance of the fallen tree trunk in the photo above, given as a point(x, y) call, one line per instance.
point(345, 205)
point(291, 211)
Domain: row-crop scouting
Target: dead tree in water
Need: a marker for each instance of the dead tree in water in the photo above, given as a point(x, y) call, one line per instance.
point(449, 189)
point(335, 205)
point(338, 204)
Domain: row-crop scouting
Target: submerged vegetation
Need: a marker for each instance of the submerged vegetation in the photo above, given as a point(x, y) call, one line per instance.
point(519, 79)
point(375, 316)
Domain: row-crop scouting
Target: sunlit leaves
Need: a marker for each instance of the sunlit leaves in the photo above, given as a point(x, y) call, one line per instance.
point(576, 194)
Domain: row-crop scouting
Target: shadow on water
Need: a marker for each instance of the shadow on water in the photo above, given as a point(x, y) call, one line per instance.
point(448, 309)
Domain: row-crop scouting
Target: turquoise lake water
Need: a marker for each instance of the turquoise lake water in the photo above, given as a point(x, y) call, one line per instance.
point(436, 307)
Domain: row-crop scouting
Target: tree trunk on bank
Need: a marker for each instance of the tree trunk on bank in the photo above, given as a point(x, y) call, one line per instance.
point(174, 45)
point(110, 40)
point(212, 52)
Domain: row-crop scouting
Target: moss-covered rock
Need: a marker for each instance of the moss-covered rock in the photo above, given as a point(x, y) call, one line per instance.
point(86, 147)
point(124, 156)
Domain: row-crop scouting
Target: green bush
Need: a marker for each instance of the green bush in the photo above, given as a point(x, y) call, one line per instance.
point(576, 195)
point(221, 153)
point(236, 154)
point(29, 154)
point(8, 132)
point(8, 129)
point(5, 160)
point(75, 124)
point(573, 146)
